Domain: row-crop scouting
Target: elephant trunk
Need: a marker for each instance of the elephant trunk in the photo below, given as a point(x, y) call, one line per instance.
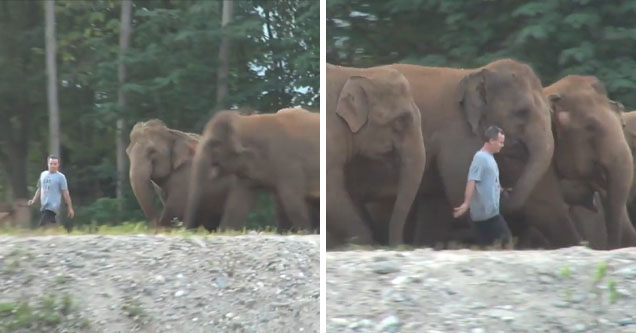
point(619, 175)
point(200, 164)
point(413, 161)
point(540, 150)
point(142, 188)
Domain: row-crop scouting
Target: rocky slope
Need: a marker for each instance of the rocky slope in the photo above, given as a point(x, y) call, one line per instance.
point(567, 290)
point(148, 283)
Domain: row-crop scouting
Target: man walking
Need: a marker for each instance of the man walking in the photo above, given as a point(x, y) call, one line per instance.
point(483, 192)
point(52, 187)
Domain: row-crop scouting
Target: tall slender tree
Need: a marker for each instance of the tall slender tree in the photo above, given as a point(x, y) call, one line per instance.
point(124, 41)
point(51, 71)
point(224, 54)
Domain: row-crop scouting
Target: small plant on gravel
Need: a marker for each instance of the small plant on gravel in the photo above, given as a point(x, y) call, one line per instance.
point(133, 309)
point(48, 314)
point(613, 293)
point(601, 271)
point(565, 271)
point(62, 279)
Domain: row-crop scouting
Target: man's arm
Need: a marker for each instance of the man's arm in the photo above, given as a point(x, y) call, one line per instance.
point(35, 199)
point(69, 204)
point(468, 194)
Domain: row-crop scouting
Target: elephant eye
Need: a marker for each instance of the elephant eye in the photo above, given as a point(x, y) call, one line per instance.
point(591, 127)
point(522, 113)
point(402, 122)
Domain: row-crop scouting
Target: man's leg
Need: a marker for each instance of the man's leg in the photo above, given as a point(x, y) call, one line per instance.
point(47, 218)
point(488, 231)
point(502, 231)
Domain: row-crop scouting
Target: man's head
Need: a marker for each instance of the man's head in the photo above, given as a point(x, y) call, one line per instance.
point(494, 139)
point(54, 163)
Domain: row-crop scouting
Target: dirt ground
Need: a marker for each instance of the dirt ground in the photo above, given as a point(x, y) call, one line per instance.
point(155, 283)
point(568, 290)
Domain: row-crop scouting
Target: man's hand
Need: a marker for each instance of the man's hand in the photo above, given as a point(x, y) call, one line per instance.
point(30, 202)
point(460, 210)
point(71, 212)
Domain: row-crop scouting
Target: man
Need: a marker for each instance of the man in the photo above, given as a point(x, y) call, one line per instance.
point(51, 187)
point(483, 191)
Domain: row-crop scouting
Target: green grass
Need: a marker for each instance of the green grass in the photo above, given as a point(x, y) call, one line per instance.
point(613, 293)
point(601, 271)
point(130, 228)
point(565, 271)
point(47, 314)
point(134, 309)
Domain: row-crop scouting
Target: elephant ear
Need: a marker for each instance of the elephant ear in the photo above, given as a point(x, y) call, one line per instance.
point(618, 109)
point(472, 97)
point(560, 118)
point(182, 152)
point(353, 103)
point(225, 129)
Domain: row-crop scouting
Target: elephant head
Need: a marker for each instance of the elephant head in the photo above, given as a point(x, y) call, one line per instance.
point(590, 144)
point(155, 152)
point(219, 152)
point(382, 118)
point(508, 94)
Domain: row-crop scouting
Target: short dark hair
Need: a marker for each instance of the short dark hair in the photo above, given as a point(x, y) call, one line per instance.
point(52, 157)
point(492, 133)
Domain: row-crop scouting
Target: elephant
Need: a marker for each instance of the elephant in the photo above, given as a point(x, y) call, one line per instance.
point(161, 158)
point(630, 136)
point(278, 152)
point(375, 150)
point(456, 106)
point(590, 147)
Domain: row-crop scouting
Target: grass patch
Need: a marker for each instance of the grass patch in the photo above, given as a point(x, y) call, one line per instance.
point(565, 271)
point(601, 271)
point(46, 315)
point(133, 228)
point(134, 309)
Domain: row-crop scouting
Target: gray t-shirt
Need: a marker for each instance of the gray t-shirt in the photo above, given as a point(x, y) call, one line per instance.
point(51, 186)
point(485, 201)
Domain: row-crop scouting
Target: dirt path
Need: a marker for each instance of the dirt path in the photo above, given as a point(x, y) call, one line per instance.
point(144, 283)
point(568, 290)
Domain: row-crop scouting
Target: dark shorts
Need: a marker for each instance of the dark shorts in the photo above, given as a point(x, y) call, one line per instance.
point(47, 217)
point(494, 229)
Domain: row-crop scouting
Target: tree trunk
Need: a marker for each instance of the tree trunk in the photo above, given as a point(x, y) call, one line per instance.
point(124, 41)
point(224, 54)
point(51, 70)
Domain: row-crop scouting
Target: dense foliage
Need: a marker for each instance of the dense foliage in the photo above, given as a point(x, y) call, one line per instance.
point(172, 72)
point(557, 37)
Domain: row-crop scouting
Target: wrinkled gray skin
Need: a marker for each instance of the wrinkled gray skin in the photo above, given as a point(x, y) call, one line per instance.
point(630, 136)
point(591, 148)
point(160, 163)
point(375, 151)
point(457, 106)
point(278, 152)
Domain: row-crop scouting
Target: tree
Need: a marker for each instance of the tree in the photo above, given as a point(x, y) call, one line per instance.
point(124, 41)
point(51, 71)
point(224, 53)
point(556, 38)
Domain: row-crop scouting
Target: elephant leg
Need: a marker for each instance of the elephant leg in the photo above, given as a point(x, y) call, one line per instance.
point(295, 207)
point(591, 225)
point(628, 239)
point(433, 220)
point(173, 209)
point(343, 219)
point(546, 210)
point(284, 224)
point(237, 206)
point(314, 214)
point(212, 222)
point(378, 214)
point(532, 238)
